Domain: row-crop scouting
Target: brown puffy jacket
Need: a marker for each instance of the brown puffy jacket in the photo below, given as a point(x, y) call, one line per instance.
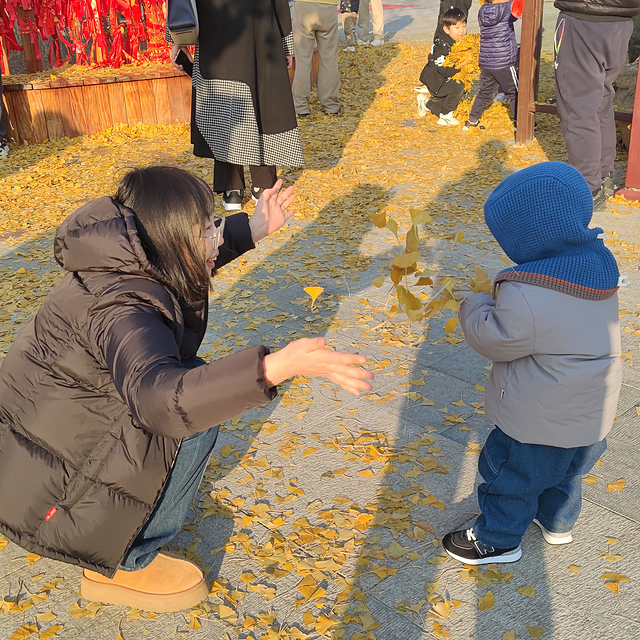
point(100, 387)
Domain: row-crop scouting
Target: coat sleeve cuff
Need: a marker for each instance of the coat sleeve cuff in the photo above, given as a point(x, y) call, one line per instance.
point(237, 239)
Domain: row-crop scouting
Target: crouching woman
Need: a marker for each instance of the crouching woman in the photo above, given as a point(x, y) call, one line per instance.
point(107, 418)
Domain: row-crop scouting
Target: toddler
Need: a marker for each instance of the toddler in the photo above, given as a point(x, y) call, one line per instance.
point(446, 93)
point(498, 58)
point(553, 334)
point(349, 11)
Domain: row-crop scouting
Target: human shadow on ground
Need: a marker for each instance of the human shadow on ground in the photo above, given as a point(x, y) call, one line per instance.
point(324, 136)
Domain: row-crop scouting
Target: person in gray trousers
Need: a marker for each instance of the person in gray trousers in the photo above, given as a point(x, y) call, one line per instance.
point(591, 41)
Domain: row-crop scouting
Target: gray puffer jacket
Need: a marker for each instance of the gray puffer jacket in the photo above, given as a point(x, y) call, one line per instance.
point(99, 388)
point(556, 372)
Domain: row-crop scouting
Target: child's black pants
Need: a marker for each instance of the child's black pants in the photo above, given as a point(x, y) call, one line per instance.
point(447, 97)
point(506, 80)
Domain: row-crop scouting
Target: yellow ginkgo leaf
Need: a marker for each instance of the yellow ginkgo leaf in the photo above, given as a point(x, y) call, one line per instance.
point(590, 479)
point(379, 281)
point(437, 560)
point(451, 325)
point(226, 451)
point(612, 541)
point(530, 592)
point(535, 632)
point(396, 550)
point(405, 260)
point(313, 292)
point(486, 602)
point(379, 219)
point(227, 614)
point(574, 568)
point(615, 577)
point(459, 237)
point(509, 635)
point(50, 632)
point(440, 631)
point(618, 485)
point(614, 586)
point(25, 631)
point(392, 225)
point(419, 216)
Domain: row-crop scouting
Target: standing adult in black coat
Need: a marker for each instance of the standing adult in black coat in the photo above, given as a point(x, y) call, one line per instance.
point(242, 111)
point(107, 419)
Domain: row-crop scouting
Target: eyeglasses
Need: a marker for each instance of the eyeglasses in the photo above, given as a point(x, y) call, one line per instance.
point(216, 233)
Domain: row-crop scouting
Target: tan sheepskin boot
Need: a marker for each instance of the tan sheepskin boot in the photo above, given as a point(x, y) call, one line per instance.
point(169, 583)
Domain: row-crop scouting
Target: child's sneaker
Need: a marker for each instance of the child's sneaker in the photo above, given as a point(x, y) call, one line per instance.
point(468, 125)
point(551, 537)
point(465, 547)
point(447, 120)
point(4, 149)
point(232, 200)
point(349, 48)
point(422, 104)
point(377, 42)
point(421, 88)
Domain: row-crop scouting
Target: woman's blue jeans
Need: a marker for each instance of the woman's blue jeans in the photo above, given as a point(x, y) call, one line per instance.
point(527, 481)
point(170, 512)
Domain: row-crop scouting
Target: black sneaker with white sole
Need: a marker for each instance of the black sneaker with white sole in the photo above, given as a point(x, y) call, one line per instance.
point(256, 192)
point(232, 200)
point(465, 547)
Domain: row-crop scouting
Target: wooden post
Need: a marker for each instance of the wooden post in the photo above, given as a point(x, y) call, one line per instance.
point(632, 179)
point(29, 48)
point(530, 45)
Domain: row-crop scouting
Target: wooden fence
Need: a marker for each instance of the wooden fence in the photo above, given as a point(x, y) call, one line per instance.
point(58, 108)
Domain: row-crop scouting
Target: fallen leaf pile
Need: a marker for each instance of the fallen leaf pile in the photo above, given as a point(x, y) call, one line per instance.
point(465, 52)
point(318, 508)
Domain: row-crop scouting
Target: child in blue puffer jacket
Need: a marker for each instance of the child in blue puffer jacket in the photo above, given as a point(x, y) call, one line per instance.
point(498, 58)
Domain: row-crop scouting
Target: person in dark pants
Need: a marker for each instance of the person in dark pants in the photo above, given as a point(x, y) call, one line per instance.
point(446, 92)
point(498, 58)
point(4, 147)
point(242, 111)
point(591, 43)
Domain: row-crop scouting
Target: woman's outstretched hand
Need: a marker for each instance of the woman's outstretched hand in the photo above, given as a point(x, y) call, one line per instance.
point(309, 357)
point(271, 211)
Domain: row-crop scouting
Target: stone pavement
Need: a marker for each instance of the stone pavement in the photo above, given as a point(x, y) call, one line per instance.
point(351, 494)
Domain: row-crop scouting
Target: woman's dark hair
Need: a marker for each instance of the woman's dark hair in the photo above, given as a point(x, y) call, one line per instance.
point(171, 208)
point(453, 16)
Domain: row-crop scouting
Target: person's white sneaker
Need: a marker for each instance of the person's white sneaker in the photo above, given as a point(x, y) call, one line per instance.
point(422, 105)
point(362, 42)
point(421, 89)
point(551, 537)
point(377, 42)
point(447, 120)
point(349, 48)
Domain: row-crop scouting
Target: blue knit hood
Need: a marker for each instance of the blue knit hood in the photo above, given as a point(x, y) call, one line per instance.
point(540, 217)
